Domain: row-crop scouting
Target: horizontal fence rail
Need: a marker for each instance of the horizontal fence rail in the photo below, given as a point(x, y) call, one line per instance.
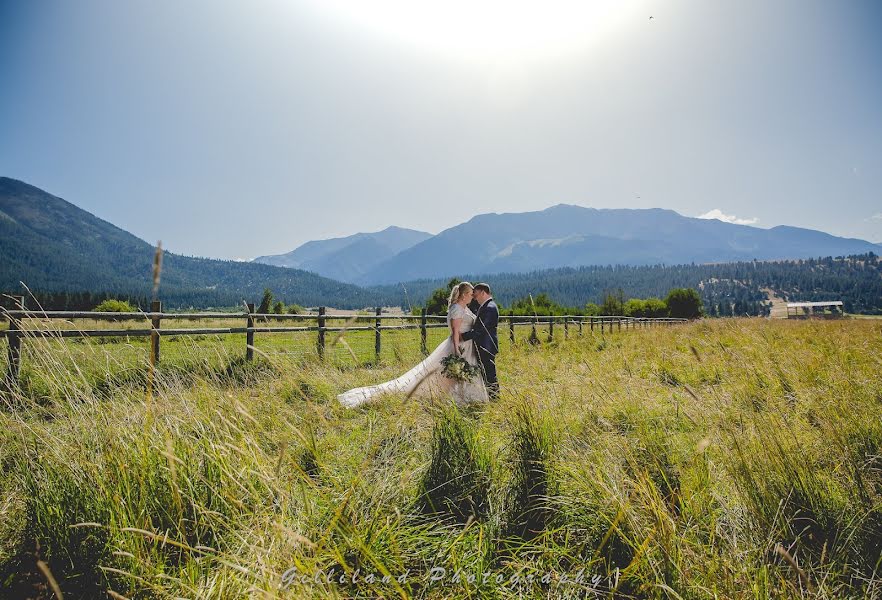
point(324, 323)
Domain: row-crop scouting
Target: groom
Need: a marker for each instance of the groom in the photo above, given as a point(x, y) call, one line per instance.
point(484, 335)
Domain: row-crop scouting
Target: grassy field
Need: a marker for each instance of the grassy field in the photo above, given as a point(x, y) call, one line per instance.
point(732, 458)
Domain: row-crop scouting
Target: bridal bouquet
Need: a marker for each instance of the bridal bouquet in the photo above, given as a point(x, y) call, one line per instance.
point(459, 369)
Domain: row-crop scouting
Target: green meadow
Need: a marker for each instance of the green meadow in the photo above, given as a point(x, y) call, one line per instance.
point(727, 458)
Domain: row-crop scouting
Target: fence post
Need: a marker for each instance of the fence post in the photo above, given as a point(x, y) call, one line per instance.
point(566, 328)
point(591, 322)
point(533, 336)
point(249, 332)
point(619, 321)
point(423, 347)
point(320, 341)
point(377, 324)
point(511, 327)
point(580, 327)
point(14, 340)
point(155, 307)
point(602, 321)
point(551, 329)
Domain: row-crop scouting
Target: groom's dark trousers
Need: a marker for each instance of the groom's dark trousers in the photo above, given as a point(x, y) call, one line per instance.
point(484, 335)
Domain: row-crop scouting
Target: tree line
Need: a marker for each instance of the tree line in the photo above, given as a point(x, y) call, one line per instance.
point(683, 303)
point(726, 289)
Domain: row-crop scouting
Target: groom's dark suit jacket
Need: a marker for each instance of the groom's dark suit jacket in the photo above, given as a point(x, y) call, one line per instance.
point(484, 330)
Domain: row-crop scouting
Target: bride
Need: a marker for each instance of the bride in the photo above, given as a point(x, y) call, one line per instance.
point(426, 378)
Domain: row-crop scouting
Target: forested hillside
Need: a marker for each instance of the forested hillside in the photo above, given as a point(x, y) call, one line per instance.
point(727, 288)
point(61, 252)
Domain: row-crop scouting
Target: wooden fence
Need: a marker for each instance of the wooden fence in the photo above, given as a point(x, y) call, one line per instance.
point(17, 333)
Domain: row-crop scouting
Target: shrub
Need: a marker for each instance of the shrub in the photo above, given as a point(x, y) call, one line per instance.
point(541, 305)
point(112, 305)
point(437, 302)
point(635, 307)
point(649, 308)
point(655, 308)
point(684, 303)
point(266, 302)
point(613, 303)
point(592, 310)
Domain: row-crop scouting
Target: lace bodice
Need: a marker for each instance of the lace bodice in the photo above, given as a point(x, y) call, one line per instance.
point(461, 312)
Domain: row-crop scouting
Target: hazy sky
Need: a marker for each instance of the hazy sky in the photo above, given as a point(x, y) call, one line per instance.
point(235, 129)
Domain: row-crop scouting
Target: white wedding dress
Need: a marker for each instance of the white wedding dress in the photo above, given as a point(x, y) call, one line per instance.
point(426, 380)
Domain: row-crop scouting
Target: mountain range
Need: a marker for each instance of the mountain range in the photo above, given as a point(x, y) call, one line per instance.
point(566, 236)
point(55, 247)
point(348, 258)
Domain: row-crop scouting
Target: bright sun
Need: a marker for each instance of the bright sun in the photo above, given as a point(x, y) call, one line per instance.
point(489, 30)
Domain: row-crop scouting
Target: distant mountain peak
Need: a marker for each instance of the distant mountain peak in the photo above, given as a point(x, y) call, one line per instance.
point(397, 228)
point(347, 258)
point(566, 206)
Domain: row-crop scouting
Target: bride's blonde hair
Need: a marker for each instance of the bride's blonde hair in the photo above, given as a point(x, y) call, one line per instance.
point(457, 292)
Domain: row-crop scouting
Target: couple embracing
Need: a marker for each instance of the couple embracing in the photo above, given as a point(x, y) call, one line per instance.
point(472, 337)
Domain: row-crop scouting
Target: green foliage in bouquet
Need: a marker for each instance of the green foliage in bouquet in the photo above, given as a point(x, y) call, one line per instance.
point(459, 369)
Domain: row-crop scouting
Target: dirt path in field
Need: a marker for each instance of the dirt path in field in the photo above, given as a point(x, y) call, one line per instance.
point(779, 306)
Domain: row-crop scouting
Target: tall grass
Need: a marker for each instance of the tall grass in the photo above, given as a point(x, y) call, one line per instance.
point(528, 509)
point(726, 459)
point(457, 480)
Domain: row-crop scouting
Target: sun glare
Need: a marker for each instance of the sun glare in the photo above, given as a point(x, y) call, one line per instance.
point(490, 30)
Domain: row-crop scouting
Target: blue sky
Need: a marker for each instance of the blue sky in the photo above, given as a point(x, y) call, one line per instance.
point(234, 129)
